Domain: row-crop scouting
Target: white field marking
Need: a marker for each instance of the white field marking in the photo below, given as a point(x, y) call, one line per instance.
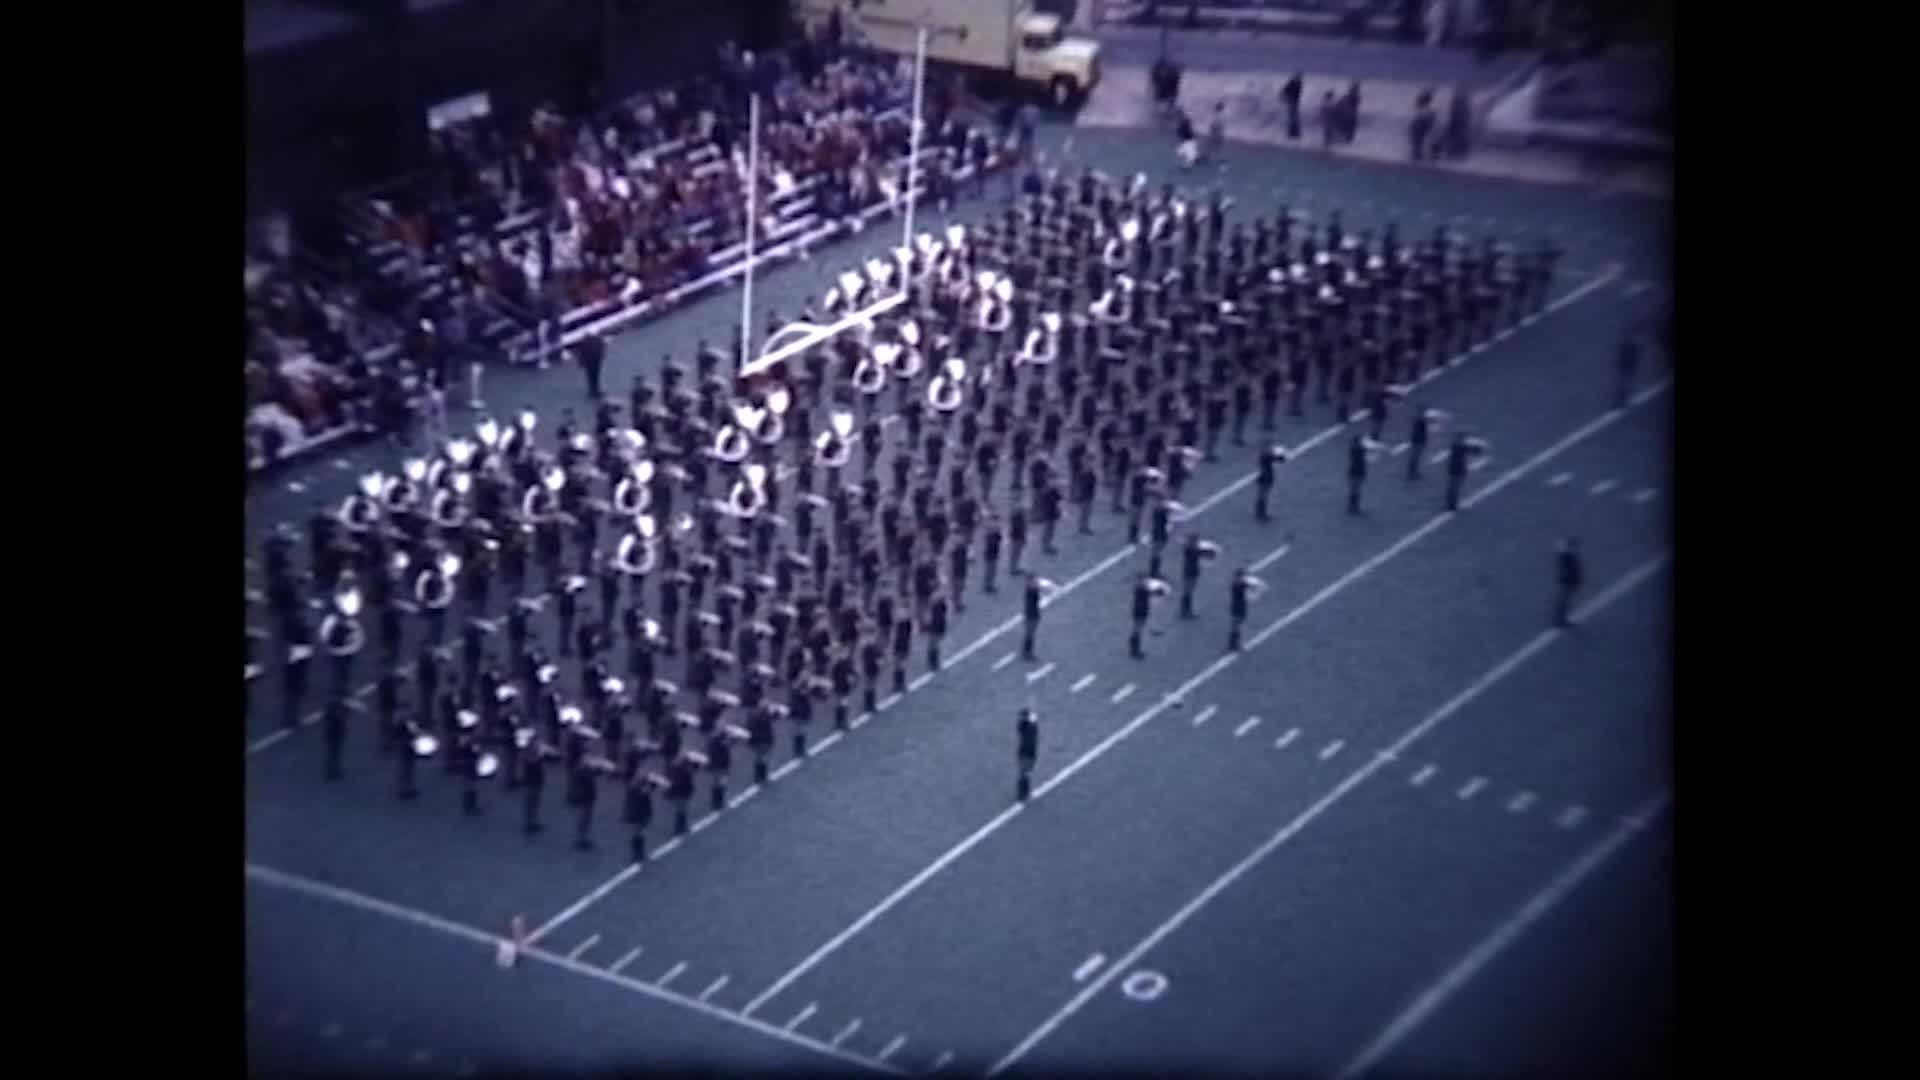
point(941, 1061)
point(858, 722)
point(296, 487)
point(889, 702)
point(342, 464)
point(1643, 396)
point(1645, 494)
point(1040, 672)
point(663, 851)
point(1089, 966)
point(1205, 715)
point(920, 680)
point(1520, 803)
point(1399, 448)
point(1437, 457)
point(583, 947)
point(846, 1032)
point(703, 822)
point(1479, 462)
point(1493, 945)
point(746, 793)
point(1571, 817)
point(1282, 742)
point(801, 1017)
point(892, 1048)
point(1353, 780)
point(823, 744)
point(790, 765)
point(1270, 558)
point(1081, 683)
point(1332, 748)
point(620, 964)
point(1559, 479)
point(1005, 660)
point(673, 973)
point(1602, 487)
point(1472, 787)
point(282, 880)
point(1638, 287)
point(990, 636)
point(1425, 774)
point(1246, 725)
point(1122, 694)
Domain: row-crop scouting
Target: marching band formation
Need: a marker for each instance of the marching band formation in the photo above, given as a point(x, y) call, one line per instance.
point(777, 550)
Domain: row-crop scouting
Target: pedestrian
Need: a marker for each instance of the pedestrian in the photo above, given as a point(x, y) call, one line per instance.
point(1459, 128)
point(1350, 113)
point(1329, 119)
point(1568, 574)
point(1420, 136)
point(1216, 133)
point(1290, 98)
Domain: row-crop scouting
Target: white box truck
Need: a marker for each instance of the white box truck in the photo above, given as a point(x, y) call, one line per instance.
point(1004, 38)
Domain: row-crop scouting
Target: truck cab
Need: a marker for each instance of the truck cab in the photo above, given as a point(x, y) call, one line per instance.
point(1043, 56)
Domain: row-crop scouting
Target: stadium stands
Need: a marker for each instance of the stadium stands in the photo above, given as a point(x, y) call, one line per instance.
point(520, 242)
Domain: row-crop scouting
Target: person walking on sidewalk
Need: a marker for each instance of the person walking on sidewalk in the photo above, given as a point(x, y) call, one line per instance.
point(1350, 113)
point(1420, 129)
point(1290, 98)
point(1329, 119)
point(1459, 128)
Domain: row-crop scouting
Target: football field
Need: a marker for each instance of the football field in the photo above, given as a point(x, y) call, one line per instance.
point(1409, 830)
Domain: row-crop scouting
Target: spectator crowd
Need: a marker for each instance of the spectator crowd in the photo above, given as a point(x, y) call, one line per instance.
point(514, 234)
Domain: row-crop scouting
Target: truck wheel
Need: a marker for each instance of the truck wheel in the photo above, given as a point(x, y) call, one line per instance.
point(1063, 91)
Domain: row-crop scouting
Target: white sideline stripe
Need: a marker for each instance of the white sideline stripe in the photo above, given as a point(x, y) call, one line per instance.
point(1489, 949)
point(1585, 431)
point(280, 879)
point(1459, 701)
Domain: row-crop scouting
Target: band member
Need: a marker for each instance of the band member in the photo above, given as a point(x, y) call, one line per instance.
point(638, 812)
point(1030, 610)
point(1192, 557)
point(582, 789)
point(1423, 421)
point(334, 728)
point(533, 781)
point(1626, 363)
point(1245, 589)
point(1569, 574)
point(1357, 454)
point(1270, 460)
point(1459, 459)
point(1027, 730)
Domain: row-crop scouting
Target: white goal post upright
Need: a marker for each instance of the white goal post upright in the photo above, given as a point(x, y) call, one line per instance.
point(753, 223)
point(799, 336)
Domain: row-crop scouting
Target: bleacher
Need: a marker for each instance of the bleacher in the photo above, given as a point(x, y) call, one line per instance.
point(413, 248)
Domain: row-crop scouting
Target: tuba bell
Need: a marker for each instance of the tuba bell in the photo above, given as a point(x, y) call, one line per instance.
point(630, 496)
point(342, 635)
point(636, 556)
point(832, 448)
point(772, 426)
point(433, 590)
point(749, 494)
point(359, 513)
point(946, 391)
point(448, 509)
point(731, 445)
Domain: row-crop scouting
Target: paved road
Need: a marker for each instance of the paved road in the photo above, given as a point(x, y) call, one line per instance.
point(1205, 50)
